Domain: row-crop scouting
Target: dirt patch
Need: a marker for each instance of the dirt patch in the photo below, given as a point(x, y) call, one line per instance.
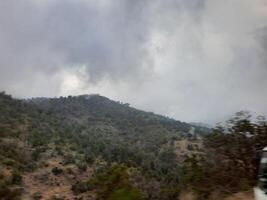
point(187, 196)
point(46, 184)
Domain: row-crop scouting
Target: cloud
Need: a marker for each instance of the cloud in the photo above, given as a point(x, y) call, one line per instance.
point(194, 60)
point(109, 39)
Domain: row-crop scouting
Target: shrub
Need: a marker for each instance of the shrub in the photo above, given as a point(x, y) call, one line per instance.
point(10, 194)
point(16, 177)
point(81, 187)
point(69, 171)
point(69, 159)
point(115, 184)
point(126, 194)
point(36, 154)
point(2, 176)
point(89, 158)
point(9, 162)
point(56, 171)
point(59, 151)
point(30, 166)
point(82, 166)
point(37, 196)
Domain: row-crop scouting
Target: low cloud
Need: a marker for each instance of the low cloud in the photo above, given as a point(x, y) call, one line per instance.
point(194, 60)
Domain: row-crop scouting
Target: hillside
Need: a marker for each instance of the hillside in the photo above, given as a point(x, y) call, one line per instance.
point(86, 109)
point(84, 137)
point(91, 147)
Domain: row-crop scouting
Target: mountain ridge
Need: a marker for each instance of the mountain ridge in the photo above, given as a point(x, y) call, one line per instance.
point(47, 103)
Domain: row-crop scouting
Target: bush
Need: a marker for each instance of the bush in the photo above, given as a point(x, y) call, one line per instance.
point(81, 187)
point(9, 162)
point(36, 154)
point(126, 194)
point(37, 196)
point(56, 171)
point(69, 159)
point(89, 158)
point(59, 151)
point(16, 177)
point(10, 194)
point(115, 184)
point(69, 171)
point(30, 166)
point(82, 166)
point(2, 176)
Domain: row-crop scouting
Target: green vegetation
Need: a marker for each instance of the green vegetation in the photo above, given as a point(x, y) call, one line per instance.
point(56, 171)
point(114, 184)
point(233, 155)
point(131, 152)
point(37, 196)
point(125, 194)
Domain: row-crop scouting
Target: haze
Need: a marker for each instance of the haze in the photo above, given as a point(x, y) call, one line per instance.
point(193, 60)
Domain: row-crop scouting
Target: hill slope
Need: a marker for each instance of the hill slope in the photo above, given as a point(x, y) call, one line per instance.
point(95, 108)
point(66, 137)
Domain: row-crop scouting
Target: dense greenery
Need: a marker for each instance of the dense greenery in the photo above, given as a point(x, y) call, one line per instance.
point(112, 184)
point(132, 152)
point(92, 131)
point(118, 133)
point(231, 163)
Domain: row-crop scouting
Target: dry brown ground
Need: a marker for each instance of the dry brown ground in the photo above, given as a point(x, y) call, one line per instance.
point(187, 196)
point(181, 147)
point(43, 181)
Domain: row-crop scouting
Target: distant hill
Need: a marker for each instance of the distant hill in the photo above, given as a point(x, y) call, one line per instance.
point(91, 147)
point(88, 109)
point(199, 124)
point(91, 134)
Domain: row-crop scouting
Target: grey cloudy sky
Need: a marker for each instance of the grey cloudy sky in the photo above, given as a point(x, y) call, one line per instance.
point(193, 60)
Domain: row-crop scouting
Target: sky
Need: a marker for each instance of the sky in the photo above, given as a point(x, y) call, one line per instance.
point(192, 60)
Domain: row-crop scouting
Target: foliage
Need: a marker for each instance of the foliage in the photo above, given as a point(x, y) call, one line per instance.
point(125, 194)
point(82, 166)
point(37, 196)
point(231, 161)
point(56, 171)
point(85, 130)
point(115, 184)
point(16, 177)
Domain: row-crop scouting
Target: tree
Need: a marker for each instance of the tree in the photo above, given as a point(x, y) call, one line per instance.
point(232, 153)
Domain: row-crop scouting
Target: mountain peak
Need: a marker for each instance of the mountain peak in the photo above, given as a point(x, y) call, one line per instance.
point(88, 96)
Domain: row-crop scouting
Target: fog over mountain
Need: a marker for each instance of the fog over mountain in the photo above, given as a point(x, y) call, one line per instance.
point(193, 60)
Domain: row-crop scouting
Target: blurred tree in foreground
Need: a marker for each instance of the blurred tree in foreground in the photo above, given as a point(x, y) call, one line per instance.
point(232, 156)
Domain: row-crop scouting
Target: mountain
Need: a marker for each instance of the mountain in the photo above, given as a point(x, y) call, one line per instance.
point(88, 109)
point(74, 147)
point(91, 147)
point(200, 124)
